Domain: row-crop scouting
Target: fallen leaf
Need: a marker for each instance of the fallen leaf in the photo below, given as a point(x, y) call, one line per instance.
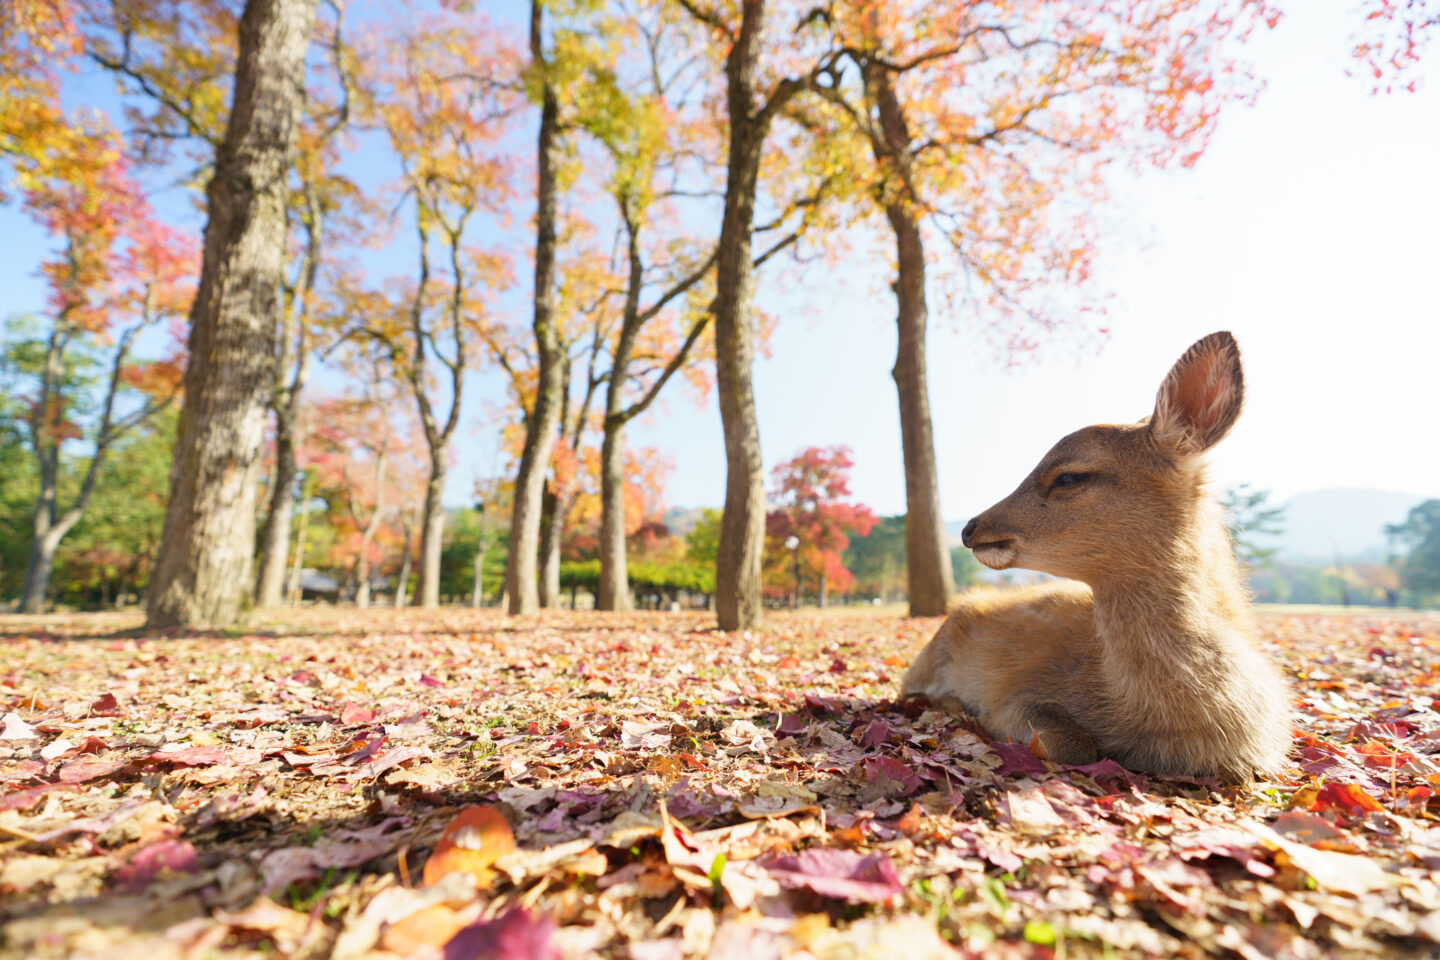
point(474, 840)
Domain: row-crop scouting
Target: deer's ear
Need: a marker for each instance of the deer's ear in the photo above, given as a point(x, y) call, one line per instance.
point(1200, 399)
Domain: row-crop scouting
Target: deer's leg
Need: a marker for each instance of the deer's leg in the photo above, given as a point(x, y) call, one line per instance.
point(1062, 739)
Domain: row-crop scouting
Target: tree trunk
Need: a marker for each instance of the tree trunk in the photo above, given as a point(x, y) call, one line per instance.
point(38, 570)
point(614, 590)
point(404, 582)
point(202, 578)
point(540, 428)
point(823, 593)
point(275, 536)
point(427, 588)
point(362, 586)
point(307, 494)
point(550, 534)
point(477, 588)
point(742, 528)
point(931, 580)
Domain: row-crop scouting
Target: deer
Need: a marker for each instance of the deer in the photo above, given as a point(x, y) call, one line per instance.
point(1146, 651)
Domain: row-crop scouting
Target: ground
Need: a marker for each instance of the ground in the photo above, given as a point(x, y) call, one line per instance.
point(643, 786)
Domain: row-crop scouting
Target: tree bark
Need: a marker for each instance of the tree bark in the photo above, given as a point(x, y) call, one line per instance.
point(404, 582)
point(291, 349)
point(477, 589)
point(307, 494)
point(931, 580)
point(275, 535)
point(427, 587)
point(742, 528)
point(551, 529)
point(202, 578)
point(614, 590)
point(540, 428)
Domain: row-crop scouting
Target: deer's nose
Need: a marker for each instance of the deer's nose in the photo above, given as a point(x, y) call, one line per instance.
point(969, 531)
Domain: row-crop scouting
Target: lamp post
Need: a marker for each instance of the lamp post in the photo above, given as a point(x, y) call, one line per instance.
point(792, 543)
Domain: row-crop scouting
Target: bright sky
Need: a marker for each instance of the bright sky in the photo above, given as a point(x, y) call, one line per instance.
point(1309, 229)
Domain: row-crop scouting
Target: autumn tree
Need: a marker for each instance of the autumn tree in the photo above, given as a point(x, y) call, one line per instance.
point(118, 272)
point(982, 122)
point(541, 425)
point(319, 197)
point(203, 573)
point(361, 456)
point(1392, 38)
point(758, 91)
point(810, 502)
point(442, 104)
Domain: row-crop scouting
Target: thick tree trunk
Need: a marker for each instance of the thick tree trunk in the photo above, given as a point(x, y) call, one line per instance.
point(38, 571)
point(427, 588)
point(202, 578)
point(614, 590)
point(275, 535)
point(551, 531)
point(742, 529)
point(931, 580)
point(540, 428)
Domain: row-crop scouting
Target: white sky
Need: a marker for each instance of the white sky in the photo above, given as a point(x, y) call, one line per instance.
point(1311, 229)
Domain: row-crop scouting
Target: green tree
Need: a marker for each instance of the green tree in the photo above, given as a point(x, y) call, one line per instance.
point(964, 566)
point(1419, 537)
point(1251, 520)
point(703, 542)
point(878, 559)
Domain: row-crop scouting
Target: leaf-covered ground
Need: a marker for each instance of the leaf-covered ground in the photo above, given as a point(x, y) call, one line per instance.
point(670, 791)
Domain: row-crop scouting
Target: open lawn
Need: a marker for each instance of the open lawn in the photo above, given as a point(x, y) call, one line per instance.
point(672, 792)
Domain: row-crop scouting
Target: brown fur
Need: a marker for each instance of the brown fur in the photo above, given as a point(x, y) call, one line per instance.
point(1151, 658)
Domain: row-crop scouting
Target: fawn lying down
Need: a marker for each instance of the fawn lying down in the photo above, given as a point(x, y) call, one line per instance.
point(1151, 657)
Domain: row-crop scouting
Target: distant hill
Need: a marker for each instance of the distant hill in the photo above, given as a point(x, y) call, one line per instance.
point(1320, 523)
point(1351, 522)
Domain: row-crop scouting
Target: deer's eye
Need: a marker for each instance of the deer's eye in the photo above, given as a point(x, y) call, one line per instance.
point(1069, 480)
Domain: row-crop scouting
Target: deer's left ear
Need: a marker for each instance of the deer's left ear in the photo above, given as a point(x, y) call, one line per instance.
point(1201, 398)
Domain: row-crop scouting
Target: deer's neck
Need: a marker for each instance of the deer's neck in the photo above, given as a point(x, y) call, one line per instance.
point(1178, 617)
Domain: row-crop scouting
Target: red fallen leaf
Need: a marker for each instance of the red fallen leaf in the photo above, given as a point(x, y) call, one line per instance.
point(511, 936)
point(819, 704)
point(838, 666)
point(788, 663)
point(533, 730)
point(1016, 758)
point(354, 713)
point(1346, 798)
point(192, 756)
point(106, 706)
point(789, 724)
point(428, 681)
point(25, 799)
point(1418, 796)
point(90, 768)
point(1378, 755)
point(876, 733)
point(475, 839)
point(842, 874)
point(177, 856)
point(912, 822)
point(92, 745)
